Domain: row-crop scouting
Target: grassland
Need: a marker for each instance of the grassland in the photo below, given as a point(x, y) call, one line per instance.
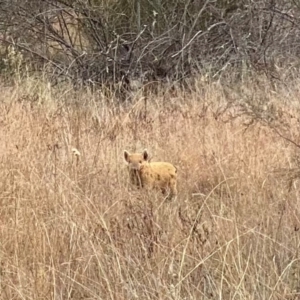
point(71, 227)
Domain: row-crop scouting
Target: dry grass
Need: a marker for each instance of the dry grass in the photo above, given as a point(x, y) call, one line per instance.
point(72, 228)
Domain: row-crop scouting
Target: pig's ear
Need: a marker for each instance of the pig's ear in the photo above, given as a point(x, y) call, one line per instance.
point(145, 155)
point(126, 155)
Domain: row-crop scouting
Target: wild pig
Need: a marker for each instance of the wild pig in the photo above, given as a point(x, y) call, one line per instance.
point(151, 175)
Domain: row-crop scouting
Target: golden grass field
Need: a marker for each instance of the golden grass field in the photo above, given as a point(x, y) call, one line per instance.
point(71, 227)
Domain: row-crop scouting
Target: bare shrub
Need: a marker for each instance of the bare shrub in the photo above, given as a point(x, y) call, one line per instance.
point(128, 44)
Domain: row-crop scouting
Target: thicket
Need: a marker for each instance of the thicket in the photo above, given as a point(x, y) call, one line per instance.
point(140, 41)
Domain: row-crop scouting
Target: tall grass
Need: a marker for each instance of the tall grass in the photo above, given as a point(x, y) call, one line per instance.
point(71, 227)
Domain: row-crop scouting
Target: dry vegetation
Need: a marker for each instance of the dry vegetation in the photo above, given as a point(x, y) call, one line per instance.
point(72, 228)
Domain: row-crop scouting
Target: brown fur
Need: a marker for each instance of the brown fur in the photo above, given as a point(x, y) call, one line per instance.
point(145, 174)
